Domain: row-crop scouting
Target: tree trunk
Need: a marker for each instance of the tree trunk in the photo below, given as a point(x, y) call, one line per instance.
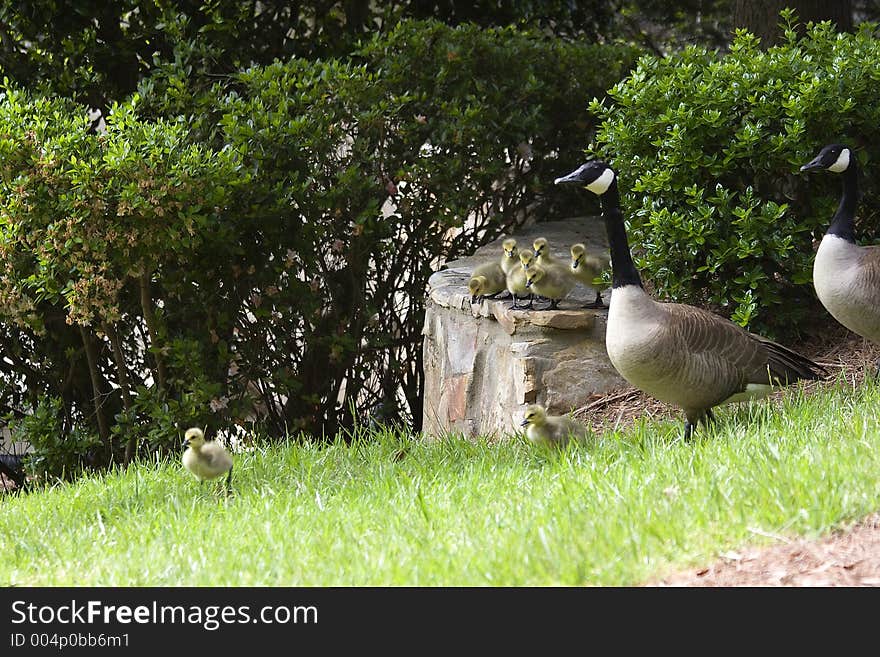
point(152, 329)
point(97, 396)
point(122, 375)
point(761, 17)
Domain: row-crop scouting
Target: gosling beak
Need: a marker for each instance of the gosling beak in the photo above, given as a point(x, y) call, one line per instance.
point(575, 264)
point(573, 177)
point(815, 163)
point(528, 284)
point(473, 298)
point(185, 444)
point(523, 423)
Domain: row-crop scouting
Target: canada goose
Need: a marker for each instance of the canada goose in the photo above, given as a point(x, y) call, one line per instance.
point(552, 282)
point(846, 276)
point(510, 257)
point(551, 430)
point(680, 354)
point(543, 256)
point(206, 460)
point(489, 278)
point(587, 267)
point(516, 280)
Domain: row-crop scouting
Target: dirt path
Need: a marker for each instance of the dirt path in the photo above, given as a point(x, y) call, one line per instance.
point(846, 558)
point(849, 557)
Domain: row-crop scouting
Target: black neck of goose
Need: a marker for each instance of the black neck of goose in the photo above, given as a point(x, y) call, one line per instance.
point(842, 223)
point(623, 270)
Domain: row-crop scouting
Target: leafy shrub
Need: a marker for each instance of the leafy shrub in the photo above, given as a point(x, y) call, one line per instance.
point(258, 248)
point(59, 451)
point(708, 146)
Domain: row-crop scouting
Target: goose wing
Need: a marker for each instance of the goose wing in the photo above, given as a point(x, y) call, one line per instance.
point(723, 357)
point(869, 277)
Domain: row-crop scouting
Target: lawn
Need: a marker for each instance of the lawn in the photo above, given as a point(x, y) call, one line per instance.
point(384, 510)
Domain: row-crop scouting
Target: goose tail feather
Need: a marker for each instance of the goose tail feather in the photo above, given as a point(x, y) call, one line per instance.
point(787, 366)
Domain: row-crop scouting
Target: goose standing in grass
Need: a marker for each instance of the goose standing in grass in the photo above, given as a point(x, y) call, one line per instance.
point(680, 354)
point(510, 255)
point(206, 460)
point(846, 276)
point(516, 280)
point(489, 278)
point(552, 430)
point(552, 282)
point(586, 267)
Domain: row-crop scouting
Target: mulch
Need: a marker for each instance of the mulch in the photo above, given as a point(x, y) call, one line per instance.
point(847, 557)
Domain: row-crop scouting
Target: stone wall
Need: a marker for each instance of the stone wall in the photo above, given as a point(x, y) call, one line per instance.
point(485, 362)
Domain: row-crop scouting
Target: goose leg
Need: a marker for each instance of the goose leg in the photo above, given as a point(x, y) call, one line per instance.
point(229, 481)
point(507, 295)
point(688, 430)
point(597, 303)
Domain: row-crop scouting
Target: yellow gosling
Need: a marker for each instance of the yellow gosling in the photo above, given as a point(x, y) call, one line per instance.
point(552, 430)
point(206, 459)
point(586, 268)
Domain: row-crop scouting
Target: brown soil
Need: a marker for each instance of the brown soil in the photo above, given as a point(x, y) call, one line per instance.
point(848, 557)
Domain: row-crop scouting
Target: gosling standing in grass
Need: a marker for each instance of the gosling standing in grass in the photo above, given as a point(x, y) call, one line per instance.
point(586, 268)
point(206, 460)
point(552, 430)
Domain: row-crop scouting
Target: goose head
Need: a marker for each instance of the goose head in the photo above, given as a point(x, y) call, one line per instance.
point(526, 259)
point(541, 246)
point(535, 415)
point(534, 275)
point(594, 175)
point(509, 246)
point(834, 157)
point(476, 285)
point(577, 254)
point(194, 437)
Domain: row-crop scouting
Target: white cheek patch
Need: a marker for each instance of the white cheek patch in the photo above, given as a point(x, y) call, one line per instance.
point(601, 184)
point(842, 162)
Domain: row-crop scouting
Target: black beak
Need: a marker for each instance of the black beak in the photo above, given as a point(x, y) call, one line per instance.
point(815, 163)
point(573, 177)
point(523, 423)
point(473, 298)
point(576, 263)
point(185, 444)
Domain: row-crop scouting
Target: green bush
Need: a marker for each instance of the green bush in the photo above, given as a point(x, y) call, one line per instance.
point(259, 247)
point(708, 145)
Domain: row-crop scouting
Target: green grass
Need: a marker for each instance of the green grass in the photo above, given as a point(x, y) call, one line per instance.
point(633, 506)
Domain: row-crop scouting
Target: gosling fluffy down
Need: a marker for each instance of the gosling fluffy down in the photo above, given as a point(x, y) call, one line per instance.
point(205, 459)
point(543, 256)
point(586, 267)
point(552, 430)
point(510, 255)
point(488, 279)
point(552, 282)
point(516, 280)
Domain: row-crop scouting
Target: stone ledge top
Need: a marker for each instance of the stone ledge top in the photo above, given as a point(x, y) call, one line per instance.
point(448, 287)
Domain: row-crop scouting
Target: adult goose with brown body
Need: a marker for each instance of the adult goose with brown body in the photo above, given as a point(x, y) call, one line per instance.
point(846, 276)
point(680, 354)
